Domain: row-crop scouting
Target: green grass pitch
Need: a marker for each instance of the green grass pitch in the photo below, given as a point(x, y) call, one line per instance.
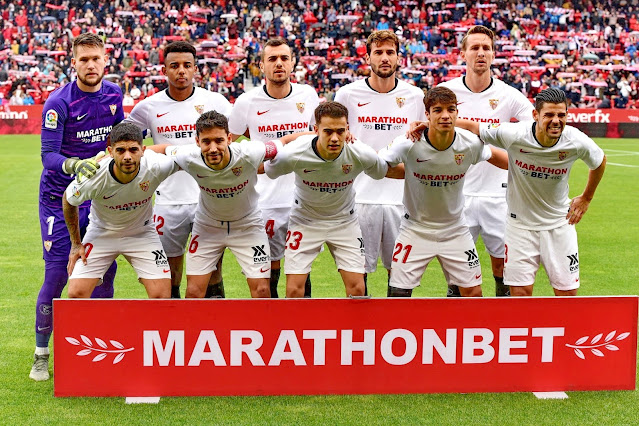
point(609, 243)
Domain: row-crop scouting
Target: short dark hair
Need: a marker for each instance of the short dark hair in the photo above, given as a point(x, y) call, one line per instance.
point(179, 47)
point(441, 95)
point(478, 29)
point(330, 109)
point(274, 42)
point(87, 39)
point(551, 96)
point(211, 120)
point(382, 36)
point(126, 132)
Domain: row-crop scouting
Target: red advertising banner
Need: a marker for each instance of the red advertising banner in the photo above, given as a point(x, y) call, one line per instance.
point(343, 346)
point(28, 119)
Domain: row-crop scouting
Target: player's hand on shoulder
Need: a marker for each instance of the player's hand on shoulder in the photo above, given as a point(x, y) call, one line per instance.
point(416, 130)
point(86, 168)
point(350, 138)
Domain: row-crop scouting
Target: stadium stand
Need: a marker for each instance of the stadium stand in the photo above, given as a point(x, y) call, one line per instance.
point(586, 48)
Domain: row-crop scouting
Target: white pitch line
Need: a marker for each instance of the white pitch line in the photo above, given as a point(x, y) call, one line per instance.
point(622, 165)
point(551, 395)
point(142, 399)
point(622, 151)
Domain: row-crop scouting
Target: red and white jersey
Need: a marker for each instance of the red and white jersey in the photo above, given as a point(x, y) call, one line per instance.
point(538, 176)
point(228, 194)
point(499, 103)
point(173, 122)
point(324, 189)
point(117, 206)
point(267, 118)
point(434, 180)
point(376, 119)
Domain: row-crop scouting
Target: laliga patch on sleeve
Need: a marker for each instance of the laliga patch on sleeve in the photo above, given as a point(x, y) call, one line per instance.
point(493, 126)
point(51, 119)
point(76, 191)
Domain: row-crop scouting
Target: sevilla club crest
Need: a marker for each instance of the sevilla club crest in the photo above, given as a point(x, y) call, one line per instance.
point(144, 186)
point(237, 170)
point(47, 245)
point(300, 106)
point(493, 103)
point(400, 101)
point(199, 109)
point(459, 158)
point(346, 168)
point(563, 155)
point(114, 108)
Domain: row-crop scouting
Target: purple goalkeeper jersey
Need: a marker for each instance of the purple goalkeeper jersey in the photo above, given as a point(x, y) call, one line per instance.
point(75, 124)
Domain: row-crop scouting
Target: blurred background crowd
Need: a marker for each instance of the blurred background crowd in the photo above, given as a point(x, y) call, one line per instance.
point(586, 48)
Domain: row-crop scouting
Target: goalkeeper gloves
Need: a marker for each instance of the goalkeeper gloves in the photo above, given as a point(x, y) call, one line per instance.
point(86, 168)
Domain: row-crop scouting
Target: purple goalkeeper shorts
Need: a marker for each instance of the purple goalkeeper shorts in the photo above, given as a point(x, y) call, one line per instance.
point(55, 236)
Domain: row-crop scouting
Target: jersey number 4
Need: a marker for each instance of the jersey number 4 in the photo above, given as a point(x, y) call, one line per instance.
point(270, 228)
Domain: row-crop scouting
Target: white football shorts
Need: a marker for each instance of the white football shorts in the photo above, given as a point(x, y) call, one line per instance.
point(276, 225)
point(415, 248)
point(486, 216)
point(173, 224)
point(556, 249)
point(245, 238)
point(380, 228)
point(141, 248)
point(304, 242)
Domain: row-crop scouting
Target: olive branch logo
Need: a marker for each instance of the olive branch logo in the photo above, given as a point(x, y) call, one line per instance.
point(579, 347)
point(103, 350)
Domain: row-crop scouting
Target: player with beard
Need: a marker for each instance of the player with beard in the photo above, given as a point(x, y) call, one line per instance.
point(541, 217)
point(276, 109)
point(170, 116)
point(76, 121)
point(380, 108)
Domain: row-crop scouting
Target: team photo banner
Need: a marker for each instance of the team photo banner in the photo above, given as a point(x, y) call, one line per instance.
point(343, 346)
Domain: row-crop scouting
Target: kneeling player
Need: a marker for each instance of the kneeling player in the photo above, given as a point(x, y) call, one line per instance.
point(227, 213)
point(324, 205)
point(433, 225)
point(121, 218)
point(539, 229)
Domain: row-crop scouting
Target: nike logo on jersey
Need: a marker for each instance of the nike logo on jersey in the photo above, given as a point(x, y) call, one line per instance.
point(80, 117)
point(422, 161)
point(263, 112)
point(309, 171)
point(160, 115)
point(459, 103)
point(525, 152)
point(110, 196)
point(361, 105)
point(477, 276)
point(201, 177)
point(166, 270)
point(264, 269)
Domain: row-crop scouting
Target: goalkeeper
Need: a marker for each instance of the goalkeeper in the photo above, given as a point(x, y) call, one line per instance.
point(76, 121)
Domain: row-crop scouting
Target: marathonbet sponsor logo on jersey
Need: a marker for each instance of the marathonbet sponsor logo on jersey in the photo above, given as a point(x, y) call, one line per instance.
point(172, 347)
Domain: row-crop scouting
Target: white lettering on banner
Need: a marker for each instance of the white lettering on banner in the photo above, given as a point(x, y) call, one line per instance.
point(477, 344)
point(14, 115)
point(589, 117)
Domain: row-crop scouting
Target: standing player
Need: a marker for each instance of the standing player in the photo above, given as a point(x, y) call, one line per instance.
point(227, 213)
point(75, 124)
point(170, 115)
point(324, 208)
point(121, 219)
point(540, 222)
point(380, 108)
point(485, 99)
point(433, 225)
point(276, 109)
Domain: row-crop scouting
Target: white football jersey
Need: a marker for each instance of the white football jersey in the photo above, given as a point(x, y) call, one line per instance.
point(228, 194)
point(324, 189)
point(376, 119)
point(267, 118)
point(499, 103)
point(538, 176)
point(434, 180)
point(122, 207)
point(173, 122)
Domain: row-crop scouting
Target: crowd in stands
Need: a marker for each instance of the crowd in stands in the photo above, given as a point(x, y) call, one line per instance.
point(586, 48)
